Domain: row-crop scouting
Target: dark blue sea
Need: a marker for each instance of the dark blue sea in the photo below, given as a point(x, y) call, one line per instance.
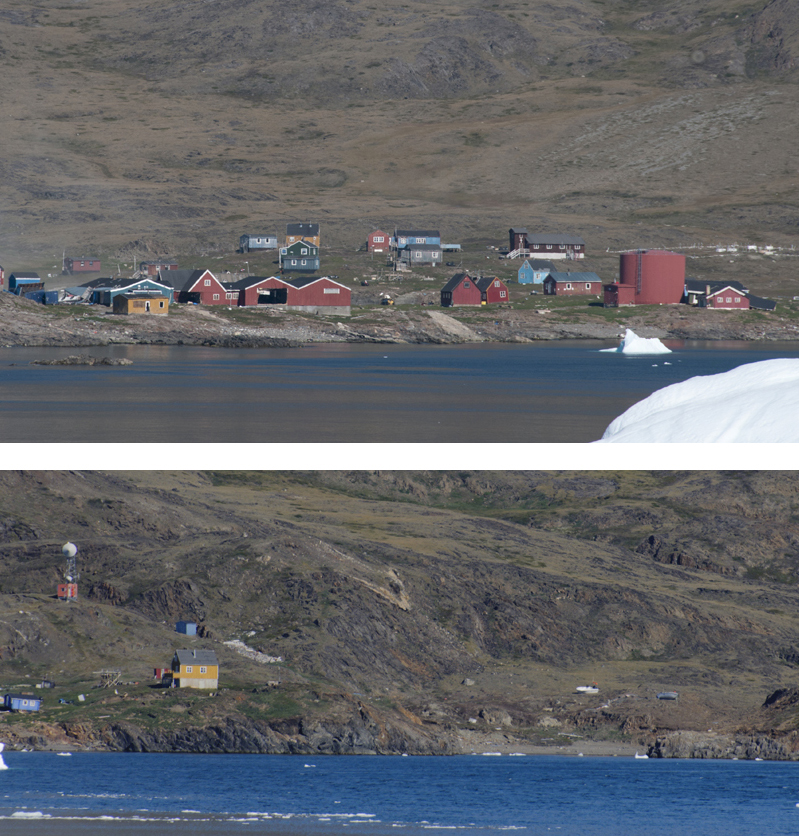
point(220, 794)
point(564, 391)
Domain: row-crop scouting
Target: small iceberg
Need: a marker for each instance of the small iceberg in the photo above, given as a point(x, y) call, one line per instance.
point(3, 764)
point(631, 343)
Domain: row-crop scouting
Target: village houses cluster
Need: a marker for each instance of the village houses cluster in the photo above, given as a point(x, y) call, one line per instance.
point(646, 277)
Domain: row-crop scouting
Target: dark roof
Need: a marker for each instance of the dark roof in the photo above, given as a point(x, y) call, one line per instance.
point(552, 238)
point(302, 281)
point(196, 657)
point(574, 277)
point(23, 697)
point(427, 248)
point(82, 257)
point(427, 233)
point(759, 303)
point(485, 282)
point(118, 283)
point(181, 279)
point(700, 286)
point(25, 276)
point(455, 281)
point(302, 229)
point(519, 230)
point(248, 281)
point(539, 264)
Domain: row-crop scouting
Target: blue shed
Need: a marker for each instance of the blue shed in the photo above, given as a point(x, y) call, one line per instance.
point(534, 271)
point(187, 627)
point(22, 702)
point(20, 283)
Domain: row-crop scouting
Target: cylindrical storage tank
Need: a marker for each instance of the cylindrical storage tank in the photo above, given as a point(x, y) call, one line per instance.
point(657, 275)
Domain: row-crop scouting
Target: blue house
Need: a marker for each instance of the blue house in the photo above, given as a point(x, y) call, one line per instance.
point(189, 628)
point(408, 237)
point(21, 702)
point(103, 291)
point(534, 271)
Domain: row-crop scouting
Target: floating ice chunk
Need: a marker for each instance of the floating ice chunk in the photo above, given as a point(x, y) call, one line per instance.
point(757, 402)
point(631, 343)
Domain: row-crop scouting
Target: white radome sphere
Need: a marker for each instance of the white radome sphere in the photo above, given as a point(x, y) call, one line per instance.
point(69, 550)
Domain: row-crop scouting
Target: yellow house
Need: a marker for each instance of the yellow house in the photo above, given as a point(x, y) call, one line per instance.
point(140, 303)
point(195, 669)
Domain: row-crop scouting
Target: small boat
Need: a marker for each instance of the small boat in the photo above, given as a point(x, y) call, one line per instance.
point(644, 757)
point(668, 695)
point(593, 688)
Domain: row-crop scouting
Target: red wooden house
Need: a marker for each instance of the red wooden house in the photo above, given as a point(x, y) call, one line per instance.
point(81, 265)
point(378, 242)
point(200, 287)
point(572, 284)
point(461, 289)
point(727, 297)
point(151, 268)
point(492, 290)
point(310, 293)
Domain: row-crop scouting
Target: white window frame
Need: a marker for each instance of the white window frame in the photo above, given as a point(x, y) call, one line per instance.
point(216, 297)
point(207, 283)
point(501, 294)
point(189, 669)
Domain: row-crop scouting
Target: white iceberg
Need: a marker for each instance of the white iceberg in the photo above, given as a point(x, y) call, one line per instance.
point(758, 402)
point(631, 343)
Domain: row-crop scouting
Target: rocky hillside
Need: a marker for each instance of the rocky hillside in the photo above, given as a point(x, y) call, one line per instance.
point(425, 612)
point(136, 128)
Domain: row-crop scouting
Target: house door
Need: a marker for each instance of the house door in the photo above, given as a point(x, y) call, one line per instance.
point(147, 306)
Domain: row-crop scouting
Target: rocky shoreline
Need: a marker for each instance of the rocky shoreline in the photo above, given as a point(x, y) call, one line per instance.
point(25, 323)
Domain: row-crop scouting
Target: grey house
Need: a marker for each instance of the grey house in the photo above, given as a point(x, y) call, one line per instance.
point(248, 243)
point(420, 254)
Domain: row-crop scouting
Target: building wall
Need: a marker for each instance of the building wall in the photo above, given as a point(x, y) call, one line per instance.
point(558, 250)
point(497, 291)
point(576, 288)
point(373, 245)
point(210, 290)
point(465, 293)
point(729, 299)
point(82, 265)
point(197, 676)
point(662, 276)
point(324, 293)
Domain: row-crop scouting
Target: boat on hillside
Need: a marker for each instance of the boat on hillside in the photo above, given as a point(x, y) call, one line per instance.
point(668, 695)
point(593, 688)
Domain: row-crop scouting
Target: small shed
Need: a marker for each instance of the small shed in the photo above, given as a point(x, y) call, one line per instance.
point(81, 264)
point(261, 241)
point(22, 702)
point(140, 303)
point(20, 283)
point(188, 628)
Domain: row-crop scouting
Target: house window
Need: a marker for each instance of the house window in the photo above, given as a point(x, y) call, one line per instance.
point(203, 669)
point(420, 240)
point(216, 296)
point(331, 290)
point(501, 294)
point(562, 246)
point(188, 669)
point(729, 299)
point(588, 285)
point(418, 255)
point(378, 239)
point(160, 304)
point(293, 262)
point(466, 284)
point(568, 286)
point(496, 283)
point(303, 262)
point(737, 298)
point(207, 283)
point(549, 246)
point(303, 251)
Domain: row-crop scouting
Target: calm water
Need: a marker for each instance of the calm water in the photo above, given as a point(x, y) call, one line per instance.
point(549, 392)
point(213, 794)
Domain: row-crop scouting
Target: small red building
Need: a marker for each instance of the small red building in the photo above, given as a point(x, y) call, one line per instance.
point(67, 591)
point(572, 284)
point(728, 298)
point(81, 265)
point(151, 268)
point(378, 242)
point(492, 290)
point(461, 289)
